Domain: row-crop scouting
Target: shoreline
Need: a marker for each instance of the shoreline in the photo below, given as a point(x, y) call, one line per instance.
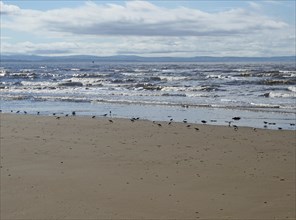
point(213, 116)
point(91, 168)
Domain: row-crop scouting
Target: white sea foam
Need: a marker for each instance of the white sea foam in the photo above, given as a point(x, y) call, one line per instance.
point(264, 105)
point(38, 84)
point(283, 94)
point(2, 72)
point(173, 78)
point(186, 89)
point(292, 88)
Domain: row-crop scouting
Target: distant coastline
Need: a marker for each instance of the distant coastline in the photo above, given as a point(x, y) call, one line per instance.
point(130, 58)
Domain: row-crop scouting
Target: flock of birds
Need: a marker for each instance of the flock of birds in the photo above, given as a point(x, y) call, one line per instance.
point(133, 119)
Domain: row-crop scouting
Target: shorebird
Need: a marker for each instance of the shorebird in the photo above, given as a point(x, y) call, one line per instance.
point(25, 112)
point(185, 120)
point(188, 126)
point(38, 113)
point(197, 129)
point(159, 125)
point(110, 121)
point(73, 113)
point(93, 116)
point(279, 128)
point(265, 122)
point(105, 115)
point(235, 127)
point(204, 122)
point(236, 118)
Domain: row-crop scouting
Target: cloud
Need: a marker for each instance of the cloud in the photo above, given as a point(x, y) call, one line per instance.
point(162, 46)
point(275, 2)
point(27, 47)
point(139, 18)
point(6, 9)
point(254, 5)
point(140, 27)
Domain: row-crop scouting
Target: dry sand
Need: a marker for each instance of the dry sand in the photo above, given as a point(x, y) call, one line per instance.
point(84, 168)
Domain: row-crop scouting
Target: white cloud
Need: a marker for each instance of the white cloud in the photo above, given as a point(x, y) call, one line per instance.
point(275, 2)
point(254, 5)
point(162, 46)
point(142, 28)
point(6, 9)
point(4, 37)
point(139, 18)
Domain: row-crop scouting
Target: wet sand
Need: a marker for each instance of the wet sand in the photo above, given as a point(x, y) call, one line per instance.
point(84, 168)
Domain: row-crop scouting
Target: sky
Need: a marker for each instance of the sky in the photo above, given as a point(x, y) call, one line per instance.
point(148, 28)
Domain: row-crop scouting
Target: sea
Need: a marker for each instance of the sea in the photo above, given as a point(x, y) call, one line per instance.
point(262, 95)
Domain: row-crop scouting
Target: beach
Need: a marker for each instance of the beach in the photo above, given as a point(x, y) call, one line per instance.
point(93, 168)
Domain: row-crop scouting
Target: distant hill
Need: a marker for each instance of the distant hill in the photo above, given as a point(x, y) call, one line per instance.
point(127, 58)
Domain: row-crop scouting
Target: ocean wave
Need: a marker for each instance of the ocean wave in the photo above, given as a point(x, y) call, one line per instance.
point(82, 82)
point(288, 73)
point(278, 82)
point(72, 84)
point(16, 97)
point(3, 72)
point(30, 75)
point(131, 102)
point(190, 84)
point(226, 77)
point(173, 78)
point(206, 88)
point(174, 94)
point(146, 86)
point(90, 75)
point(33, 84)
point(264, 105)
point(283, 94)
point(292, 88)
